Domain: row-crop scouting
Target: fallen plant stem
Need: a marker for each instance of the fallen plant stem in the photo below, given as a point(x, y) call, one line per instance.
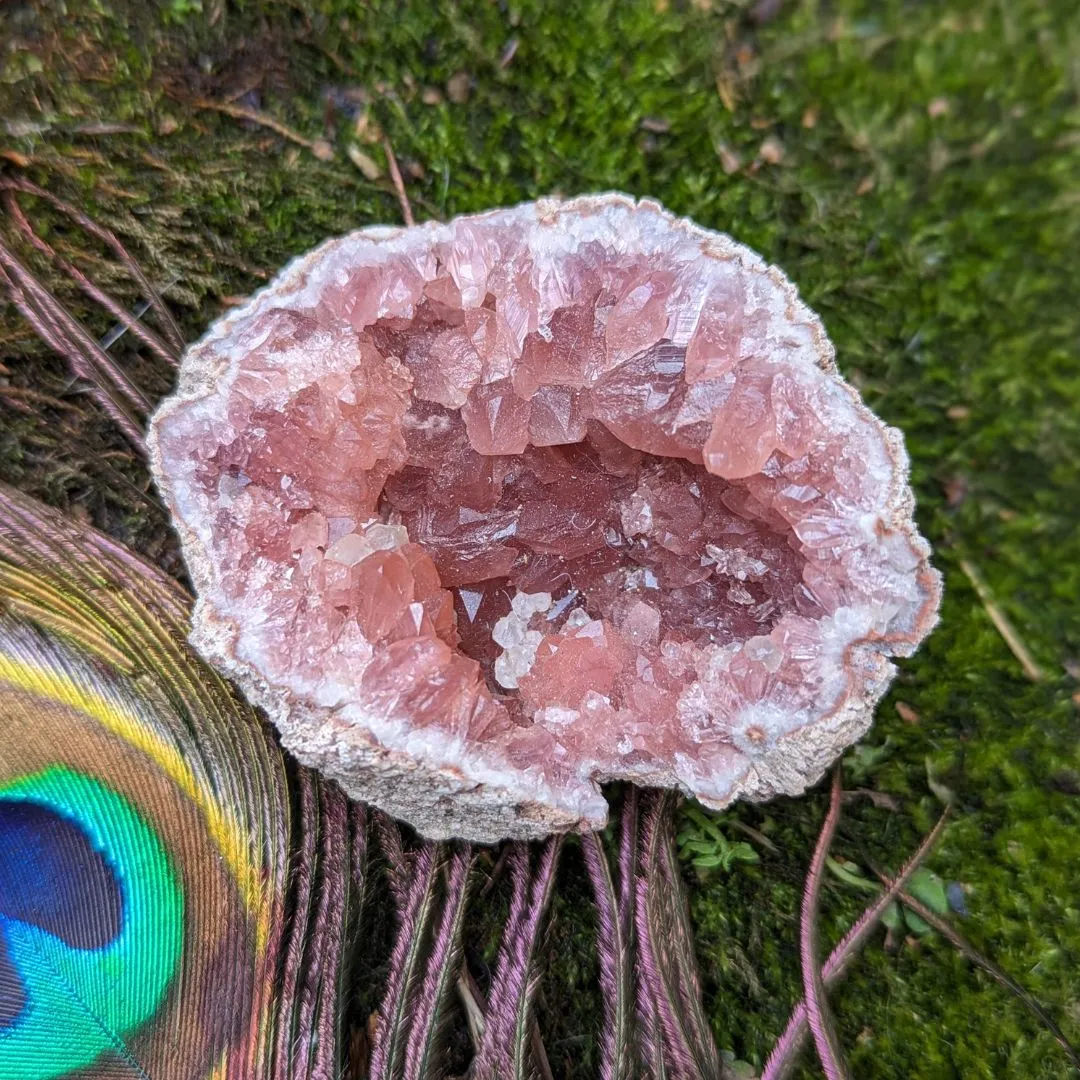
point(472, 1001)
point(999, 975)
point(822, 1025)
point(791, 1041)
point(320, 148)
point(399, 184)
point(755, 834)
point(1001, 622)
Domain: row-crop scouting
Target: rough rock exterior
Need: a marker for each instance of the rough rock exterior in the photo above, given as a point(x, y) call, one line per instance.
point(486, 513)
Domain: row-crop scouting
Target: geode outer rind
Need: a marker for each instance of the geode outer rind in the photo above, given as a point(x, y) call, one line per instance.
point(443, 783)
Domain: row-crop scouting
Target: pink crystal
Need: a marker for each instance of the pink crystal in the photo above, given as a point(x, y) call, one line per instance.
point(486, 513)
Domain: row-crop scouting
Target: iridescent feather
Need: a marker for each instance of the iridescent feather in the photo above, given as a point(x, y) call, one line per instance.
point(165, 911)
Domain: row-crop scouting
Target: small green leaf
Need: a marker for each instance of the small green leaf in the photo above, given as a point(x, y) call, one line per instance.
point(19, 66)
point(891, 917)
point(847, 873)
point(944, 793)
point(699, 847)
point(926, 886)
point(744, 852)
point(711, 862)
point(919, 927)
point(865, 758)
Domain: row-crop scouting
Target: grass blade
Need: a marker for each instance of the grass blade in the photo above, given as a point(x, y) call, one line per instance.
point(999, 975)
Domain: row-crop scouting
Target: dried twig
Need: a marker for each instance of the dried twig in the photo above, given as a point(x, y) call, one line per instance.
point(319, 147)
point(472, 1001)
point(399, 184)
point(1001, 623)
point(951, 934)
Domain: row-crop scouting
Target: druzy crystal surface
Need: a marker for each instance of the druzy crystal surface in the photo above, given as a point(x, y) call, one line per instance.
point(486, 513)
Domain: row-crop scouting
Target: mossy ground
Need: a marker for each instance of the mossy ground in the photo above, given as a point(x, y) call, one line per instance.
point(913, 167)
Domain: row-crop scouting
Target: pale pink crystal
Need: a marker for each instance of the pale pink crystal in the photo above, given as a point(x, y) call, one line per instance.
point(486, 513)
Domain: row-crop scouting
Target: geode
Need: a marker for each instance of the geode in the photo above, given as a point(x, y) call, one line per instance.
point(484, 514)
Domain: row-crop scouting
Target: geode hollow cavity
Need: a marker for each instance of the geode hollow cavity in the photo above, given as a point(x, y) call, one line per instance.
point(486, 513)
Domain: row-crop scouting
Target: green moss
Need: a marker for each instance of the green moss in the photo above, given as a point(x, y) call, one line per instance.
point(925, 204)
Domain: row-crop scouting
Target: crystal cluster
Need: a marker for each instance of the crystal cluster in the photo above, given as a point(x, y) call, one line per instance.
point(486, 513)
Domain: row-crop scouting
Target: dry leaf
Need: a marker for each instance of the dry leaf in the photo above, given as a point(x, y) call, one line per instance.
point(772, 151)
point(509, 49)
point(956, 489)
point(725, 88)
point(730, 161)
point(364, 162)
point(458, 87)
point(907, 713)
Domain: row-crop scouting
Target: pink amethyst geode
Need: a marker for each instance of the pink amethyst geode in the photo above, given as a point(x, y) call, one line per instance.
point(486, 513)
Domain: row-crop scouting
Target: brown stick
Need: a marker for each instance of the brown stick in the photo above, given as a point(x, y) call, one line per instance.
point(1001, 622)
point(399, 184)
point(319, 147)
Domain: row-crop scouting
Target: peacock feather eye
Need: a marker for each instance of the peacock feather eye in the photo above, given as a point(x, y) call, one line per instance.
point(65, 910)
point(167, 909)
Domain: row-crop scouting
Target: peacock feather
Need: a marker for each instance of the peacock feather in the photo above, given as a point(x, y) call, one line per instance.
point(173, 903)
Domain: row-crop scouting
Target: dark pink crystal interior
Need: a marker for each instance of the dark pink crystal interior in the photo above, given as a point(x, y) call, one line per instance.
point(572, 497)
